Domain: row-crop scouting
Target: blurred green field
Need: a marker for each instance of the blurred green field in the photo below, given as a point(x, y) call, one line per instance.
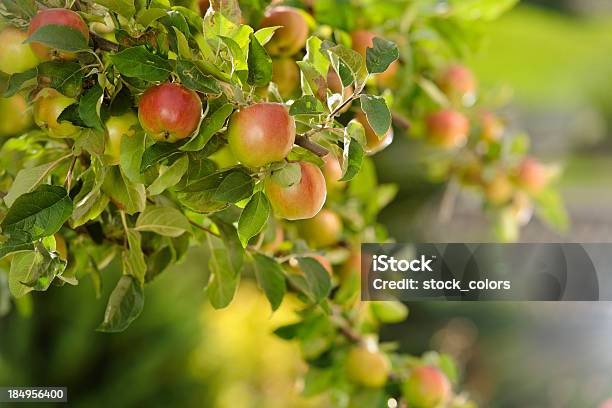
point(547, 58)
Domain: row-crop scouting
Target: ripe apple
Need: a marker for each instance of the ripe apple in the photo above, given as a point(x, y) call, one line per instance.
point(261, 133)
point(302, 200)
point(169, 112)
point(499, 190)
point(427, 387)
point(15, 115)
point(48, 106)
point(458, 82)
point(533, 175)
point(286, 76)
point(491, 127)
point(118, 127)
point(15, 56)
point(366, 367)
point(322, 230)
point(56, 16)
point(291, 37)
point(361, 40)
point(373, 143)
point(448, 128)
point(332, 171)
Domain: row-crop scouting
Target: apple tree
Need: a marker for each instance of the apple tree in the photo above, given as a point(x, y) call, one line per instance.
point(135, 129)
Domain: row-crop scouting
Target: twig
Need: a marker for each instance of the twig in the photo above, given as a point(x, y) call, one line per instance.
point(203, 228)
point(306, 143)
point(104, 44)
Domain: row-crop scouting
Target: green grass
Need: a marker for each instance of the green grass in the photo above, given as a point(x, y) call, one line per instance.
point(546, 57)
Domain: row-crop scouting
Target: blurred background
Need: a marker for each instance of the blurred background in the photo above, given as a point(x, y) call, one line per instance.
point(554, 57)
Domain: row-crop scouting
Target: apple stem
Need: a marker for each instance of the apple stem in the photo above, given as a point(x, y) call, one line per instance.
point(307, 144)
point(104, 44)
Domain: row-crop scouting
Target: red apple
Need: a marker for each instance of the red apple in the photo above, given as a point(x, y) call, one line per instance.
point(491, 127)
point(260, 134)
point(56, 16)
point(427, 387)
point(332, 171)
point(448, 128)
point(291, 37)
point(15, 56)
point(533, 175)
point(458, 82)
point(302, 200)
point(169, 112)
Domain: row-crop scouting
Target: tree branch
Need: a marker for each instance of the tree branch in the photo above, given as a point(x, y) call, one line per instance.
point(308, 144)
point(102, 43)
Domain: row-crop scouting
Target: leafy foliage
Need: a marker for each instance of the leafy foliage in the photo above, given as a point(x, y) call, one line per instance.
point(146, 200)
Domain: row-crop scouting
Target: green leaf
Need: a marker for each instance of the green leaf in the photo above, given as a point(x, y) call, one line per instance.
point(59, 37)
point(133, 258)
point(351, 59)
point(18, 241)
point(90, 201)
point(131, 154)
point(17, 81)
point(550, 209)
point(27, 179)
point(253, 218)
point(124, 8)
point(317, 277)
point(124, 305)
point(193, 78)
point(91, 141)
point(146, 17)
point(169, 176)
point(40, 213)
point(158, 152)
point(377, 113)
point(33, 270)
point(129, 196)
point(315, 56)
point(353, 153)
point(306, 105)
point(89, 107)
point(288, 175)
point(313, 83)
point(270, 278)
point(260, 64)
point(265, 34)
point(210, 125)
point(138, 62)
point(165, 221)
point(65, 76)
point(239, 61)
point(236, 186)
point(224, 277)
point(381, 55)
